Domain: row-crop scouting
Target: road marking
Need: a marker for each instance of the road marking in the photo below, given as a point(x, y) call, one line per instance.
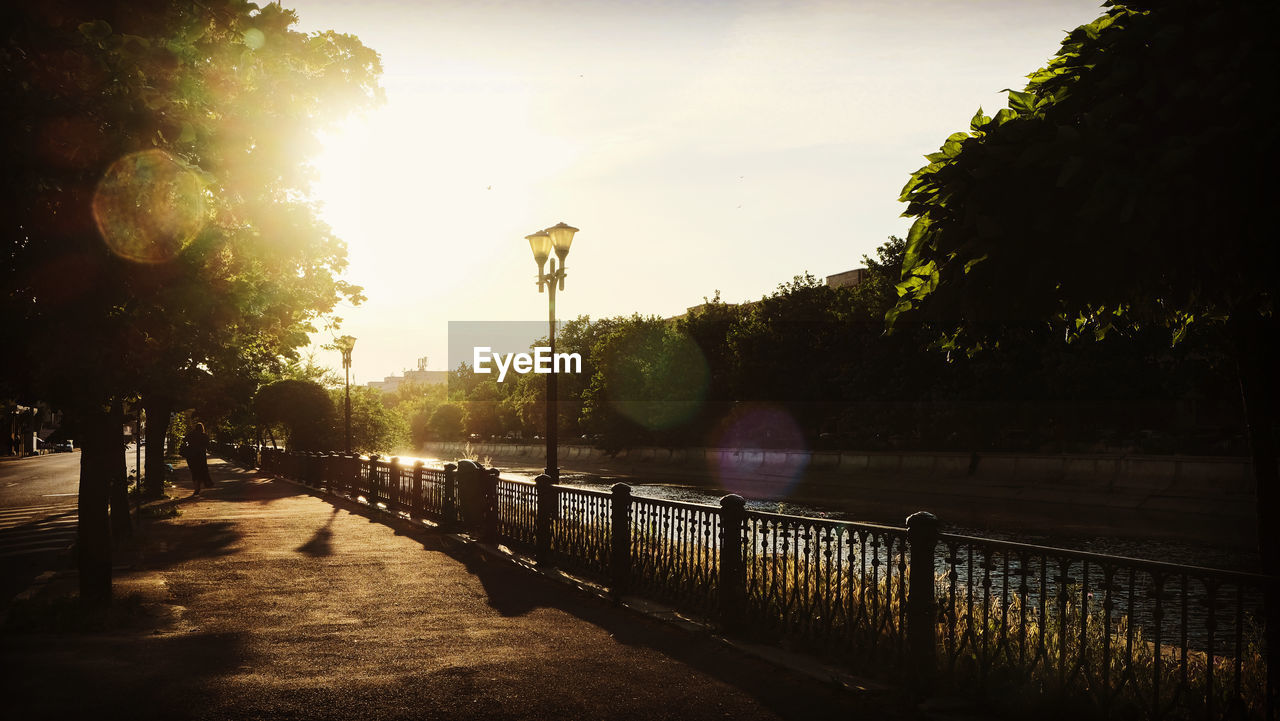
point(27, 509)
point(51, 495)
point(33, 530)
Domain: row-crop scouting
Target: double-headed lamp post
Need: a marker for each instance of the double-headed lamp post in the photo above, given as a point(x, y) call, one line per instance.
point(558, 238)
point(345, 344)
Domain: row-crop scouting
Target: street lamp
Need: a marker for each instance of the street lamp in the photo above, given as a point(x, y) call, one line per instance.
point(558, 238)
point(345, 344)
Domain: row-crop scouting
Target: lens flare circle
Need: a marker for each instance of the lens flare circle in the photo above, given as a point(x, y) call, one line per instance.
point(763, 451)
point(254, 38)
point(148, 206)
point(661, 380)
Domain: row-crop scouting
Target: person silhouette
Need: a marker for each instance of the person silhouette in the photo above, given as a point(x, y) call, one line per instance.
point(194, 446)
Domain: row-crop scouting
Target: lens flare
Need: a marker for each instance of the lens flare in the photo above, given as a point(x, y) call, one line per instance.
point(254, 38)
point(747, 463)
point(662, 380)
point(148, 206)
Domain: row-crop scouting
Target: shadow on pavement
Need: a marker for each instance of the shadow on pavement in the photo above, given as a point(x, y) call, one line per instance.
point(172, 543)
point(248, 485)
point(113, 675)
point(321, 544)
point(513, 591)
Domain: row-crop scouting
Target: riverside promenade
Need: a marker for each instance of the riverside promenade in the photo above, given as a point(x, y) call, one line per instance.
point(263, 600)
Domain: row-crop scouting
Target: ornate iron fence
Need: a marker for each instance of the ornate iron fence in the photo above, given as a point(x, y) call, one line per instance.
point(581, 531)
point(517, 513)
point(837, 586)
point(1101, 635)
point(675, 551)
point(1128, 637)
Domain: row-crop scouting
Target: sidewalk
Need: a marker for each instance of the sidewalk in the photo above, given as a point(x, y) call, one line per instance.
point(264, 601)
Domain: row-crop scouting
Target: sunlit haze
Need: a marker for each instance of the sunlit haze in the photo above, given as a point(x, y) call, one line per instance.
point(699, 146)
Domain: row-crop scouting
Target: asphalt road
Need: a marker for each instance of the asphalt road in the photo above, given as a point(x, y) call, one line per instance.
point(37, 517)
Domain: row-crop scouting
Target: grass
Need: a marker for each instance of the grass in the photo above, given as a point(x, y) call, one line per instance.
point(1078, 660)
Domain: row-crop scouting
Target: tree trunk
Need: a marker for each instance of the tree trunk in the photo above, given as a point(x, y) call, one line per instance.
point(1255, 338)
point(157, 409)
point(121, 525)
point(93, 534)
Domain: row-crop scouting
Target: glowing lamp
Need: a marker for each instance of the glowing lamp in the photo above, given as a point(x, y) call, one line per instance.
point(561, 238)
point(540, 242)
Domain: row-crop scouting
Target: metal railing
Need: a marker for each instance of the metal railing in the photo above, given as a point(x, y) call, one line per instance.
point(1105, 635)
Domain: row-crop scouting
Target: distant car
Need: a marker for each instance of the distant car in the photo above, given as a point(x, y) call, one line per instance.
point(63, 447)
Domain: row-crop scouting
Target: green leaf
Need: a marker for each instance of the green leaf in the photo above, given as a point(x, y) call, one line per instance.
point(915, 242)
point(911, 183)
point(1004, 115)
point(1022, 102)
point(969, 265)
point(978, 120)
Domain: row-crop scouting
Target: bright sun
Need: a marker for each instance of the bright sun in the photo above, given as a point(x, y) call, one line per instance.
point(445, 160)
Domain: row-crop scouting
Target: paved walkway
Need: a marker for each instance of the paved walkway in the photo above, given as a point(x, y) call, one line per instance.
point(264, 601)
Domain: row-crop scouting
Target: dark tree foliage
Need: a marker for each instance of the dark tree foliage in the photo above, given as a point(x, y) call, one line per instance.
point(303, 409)
point(153, 227)
point(1126, 187)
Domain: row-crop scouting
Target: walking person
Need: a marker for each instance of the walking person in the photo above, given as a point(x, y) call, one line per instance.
point(194, 446)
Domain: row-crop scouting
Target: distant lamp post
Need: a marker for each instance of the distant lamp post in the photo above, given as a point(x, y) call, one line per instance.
point(558, 238)
point(345, 344)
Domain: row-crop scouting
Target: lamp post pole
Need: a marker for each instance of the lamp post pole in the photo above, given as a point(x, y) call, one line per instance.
point(553, 415)
point(558, 237)
point(345, 344)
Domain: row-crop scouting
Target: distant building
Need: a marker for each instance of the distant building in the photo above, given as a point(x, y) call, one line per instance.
point(847, 279)
point(421, 376)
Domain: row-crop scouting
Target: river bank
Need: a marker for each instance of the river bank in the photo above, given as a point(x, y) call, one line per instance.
point(1195, 500)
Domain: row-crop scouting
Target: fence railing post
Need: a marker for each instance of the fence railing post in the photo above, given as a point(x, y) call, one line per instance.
point(620, 538)
point(355, 471)
point(371, 492)
point(471, 496)
point(489, 489)
point(394, 487)
point(417, 508)
point(733, 573)
point(449, 503)
point(542, 523)
point(322, 470)
point(922, 608)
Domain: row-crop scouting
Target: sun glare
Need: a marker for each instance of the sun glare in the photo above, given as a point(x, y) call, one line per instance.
point(429, 192)
point(443, 166)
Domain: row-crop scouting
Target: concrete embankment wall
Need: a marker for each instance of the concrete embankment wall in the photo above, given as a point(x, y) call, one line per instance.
point(1192, 497)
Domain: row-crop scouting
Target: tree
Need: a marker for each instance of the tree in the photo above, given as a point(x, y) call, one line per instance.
point(482, 415)
point(303, 409)
point(375, 428)
point(155, 152)
point(446, 421)
point(650, 380)
point(1123, 187)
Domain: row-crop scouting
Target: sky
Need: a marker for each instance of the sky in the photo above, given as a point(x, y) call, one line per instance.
point(698, 146)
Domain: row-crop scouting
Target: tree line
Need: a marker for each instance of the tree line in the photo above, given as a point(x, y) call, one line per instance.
point(812, 366)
